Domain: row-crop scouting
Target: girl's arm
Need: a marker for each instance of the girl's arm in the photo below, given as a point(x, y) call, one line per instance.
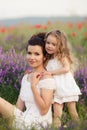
point(64, 69)
point(43, 98)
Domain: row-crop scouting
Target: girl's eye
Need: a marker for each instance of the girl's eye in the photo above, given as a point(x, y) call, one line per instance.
point(53, 44)
point(47, 42)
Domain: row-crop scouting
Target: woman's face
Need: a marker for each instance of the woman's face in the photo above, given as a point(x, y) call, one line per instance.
point(51, 44)
point(35, 56)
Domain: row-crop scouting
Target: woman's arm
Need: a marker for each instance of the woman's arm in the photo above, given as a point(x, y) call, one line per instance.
point(43, 98)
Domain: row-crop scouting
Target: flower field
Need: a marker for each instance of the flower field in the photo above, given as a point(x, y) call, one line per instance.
point(13, 40)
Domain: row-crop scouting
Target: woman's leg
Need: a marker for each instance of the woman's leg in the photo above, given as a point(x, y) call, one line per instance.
point(58, 108)
point(6, 109)
point(72, 110)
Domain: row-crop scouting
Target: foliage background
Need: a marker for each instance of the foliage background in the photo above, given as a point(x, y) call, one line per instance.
point(13, 40)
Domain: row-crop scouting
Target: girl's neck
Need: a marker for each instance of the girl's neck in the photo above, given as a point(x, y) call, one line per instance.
point(51, 56)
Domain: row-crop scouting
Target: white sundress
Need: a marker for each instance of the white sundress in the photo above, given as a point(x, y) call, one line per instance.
point(32, 117)
point(66, 88)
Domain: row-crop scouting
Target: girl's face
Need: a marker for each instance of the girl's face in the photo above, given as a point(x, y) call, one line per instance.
point(35, 56)
point(51, 44)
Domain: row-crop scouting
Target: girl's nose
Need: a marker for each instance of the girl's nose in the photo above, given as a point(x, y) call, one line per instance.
point(50, 45)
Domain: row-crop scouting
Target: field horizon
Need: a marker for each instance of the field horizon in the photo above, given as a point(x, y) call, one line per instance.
point(41, 20)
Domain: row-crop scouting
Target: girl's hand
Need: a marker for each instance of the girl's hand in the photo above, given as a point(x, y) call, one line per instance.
point(47, 73)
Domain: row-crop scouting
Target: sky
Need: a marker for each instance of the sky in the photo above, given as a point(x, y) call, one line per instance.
point(26, 8)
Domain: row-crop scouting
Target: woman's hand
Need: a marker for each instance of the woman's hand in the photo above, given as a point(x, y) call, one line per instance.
point(35, 77)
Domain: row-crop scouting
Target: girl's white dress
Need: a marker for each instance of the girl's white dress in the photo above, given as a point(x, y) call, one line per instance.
point(66, 88)
point(31, 116)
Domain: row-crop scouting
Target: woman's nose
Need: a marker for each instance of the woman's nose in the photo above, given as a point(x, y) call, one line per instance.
point(32, 56)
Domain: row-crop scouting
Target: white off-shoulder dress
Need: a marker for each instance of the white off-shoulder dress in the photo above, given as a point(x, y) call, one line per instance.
point(66, 88)
point(32, 117)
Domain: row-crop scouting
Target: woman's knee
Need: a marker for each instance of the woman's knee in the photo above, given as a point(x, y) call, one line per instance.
point(1, 101)
point(6, 108)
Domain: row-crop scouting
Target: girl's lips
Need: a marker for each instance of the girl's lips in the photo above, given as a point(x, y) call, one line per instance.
point(48, 50)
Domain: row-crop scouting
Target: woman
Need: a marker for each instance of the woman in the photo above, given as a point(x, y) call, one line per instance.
point(33, 107)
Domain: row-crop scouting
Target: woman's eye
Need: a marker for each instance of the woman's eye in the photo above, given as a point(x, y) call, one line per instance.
point(29, 53)
point(37, 54)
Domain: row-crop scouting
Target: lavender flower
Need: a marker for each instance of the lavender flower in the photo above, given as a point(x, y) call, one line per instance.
point(81, 79)
point(12, 68)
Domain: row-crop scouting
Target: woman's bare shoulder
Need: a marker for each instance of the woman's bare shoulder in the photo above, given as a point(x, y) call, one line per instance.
point(46, 75)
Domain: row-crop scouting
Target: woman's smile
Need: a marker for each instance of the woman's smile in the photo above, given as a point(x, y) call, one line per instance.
point(35, 56)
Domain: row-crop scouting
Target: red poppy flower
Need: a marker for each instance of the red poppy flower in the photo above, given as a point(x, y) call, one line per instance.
point(38, 26)
point(74, 34)
point(3, 30)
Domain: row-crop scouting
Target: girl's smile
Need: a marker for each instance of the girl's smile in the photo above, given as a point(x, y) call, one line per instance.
point(51, 45)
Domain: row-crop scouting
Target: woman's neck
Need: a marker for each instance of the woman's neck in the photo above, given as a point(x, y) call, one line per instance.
point(39, 70)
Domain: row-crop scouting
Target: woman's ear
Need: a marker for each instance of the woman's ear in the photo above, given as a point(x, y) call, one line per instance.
point(44, 58)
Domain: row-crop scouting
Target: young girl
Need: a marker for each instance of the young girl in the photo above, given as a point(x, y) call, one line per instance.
point(60, 66)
